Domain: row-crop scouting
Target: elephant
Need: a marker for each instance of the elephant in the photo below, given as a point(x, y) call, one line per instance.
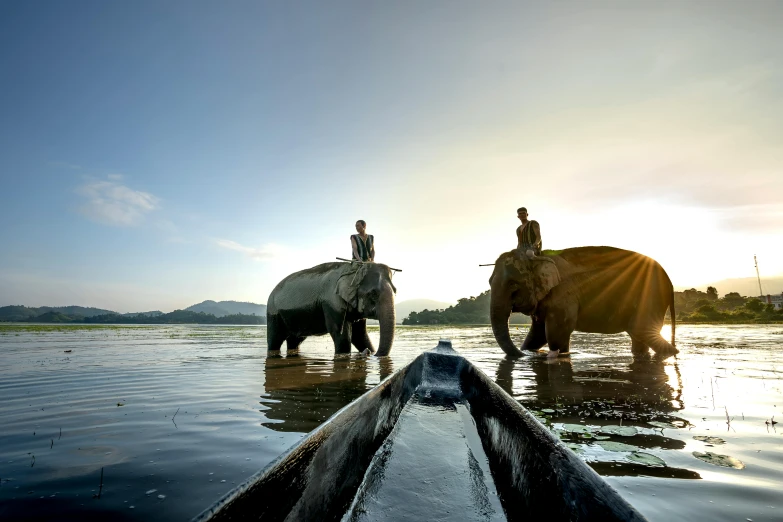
point(588, 289)
point(333, 298)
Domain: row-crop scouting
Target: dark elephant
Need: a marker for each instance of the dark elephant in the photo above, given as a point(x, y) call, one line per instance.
point(589, 289)
point(333, 298)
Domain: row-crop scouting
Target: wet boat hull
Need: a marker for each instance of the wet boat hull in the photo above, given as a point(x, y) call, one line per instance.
point(438, 441)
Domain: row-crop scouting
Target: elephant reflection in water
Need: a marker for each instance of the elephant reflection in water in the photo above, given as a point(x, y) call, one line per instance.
point(605, 395)
point(302, 393)
point(643, 389)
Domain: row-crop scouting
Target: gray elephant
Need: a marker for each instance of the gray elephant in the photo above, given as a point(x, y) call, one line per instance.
point(588, 289)
point(333, 298)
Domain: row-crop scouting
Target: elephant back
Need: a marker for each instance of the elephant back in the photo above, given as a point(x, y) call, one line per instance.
point(305, 288)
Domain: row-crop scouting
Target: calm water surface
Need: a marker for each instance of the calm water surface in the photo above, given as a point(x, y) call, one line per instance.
point(175, 416)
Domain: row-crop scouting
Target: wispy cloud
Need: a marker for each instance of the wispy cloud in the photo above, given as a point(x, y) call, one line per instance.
point(268, 251)
point(112, 203)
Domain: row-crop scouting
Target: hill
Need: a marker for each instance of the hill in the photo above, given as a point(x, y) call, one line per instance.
point(224, 308)
point(404, 308)
point(23, 313)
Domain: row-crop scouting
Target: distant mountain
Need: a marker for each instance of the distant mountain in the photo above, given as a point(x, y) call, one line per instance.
point(52, 317)
point(76, 310)
point(748, 286)
point(22, 313)
point(404, 308)
point(154, 313)
point(223, 308)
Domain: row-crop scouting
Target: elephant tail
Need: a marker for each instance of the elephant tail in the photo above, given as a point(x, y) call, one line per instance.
point(671, 309)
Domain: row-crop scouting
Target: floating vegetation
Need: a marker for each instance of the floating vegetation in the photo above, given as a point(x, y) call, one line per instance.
point(576, 428)
point(641, 457)
point(661, 425)
point(576, 448)
point(616, 446)
point(709, 440)
point(623, 431)
point(725, 461)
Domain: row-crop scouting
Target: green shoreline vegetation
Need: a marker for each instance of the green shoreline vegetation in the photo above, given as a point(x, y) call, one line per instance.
point(692, 306)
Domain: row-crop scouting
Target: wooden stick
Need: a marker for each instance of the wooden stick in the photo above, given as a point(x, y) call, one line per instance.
point(362, 262)
point(488, 264)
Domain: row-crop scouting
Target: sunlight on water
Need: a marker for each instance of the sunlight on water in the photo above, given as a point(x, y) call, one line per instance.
point(178, 415)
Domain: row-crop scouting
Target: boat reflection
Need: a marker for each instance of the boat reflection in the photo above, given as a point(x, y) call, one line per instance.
point(301, 392)
point(645, 394)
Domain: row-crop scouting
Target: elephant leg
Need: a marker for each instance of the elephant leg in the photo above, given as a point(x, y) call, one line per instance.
point(560, 323)
point(660, 346)
point(536, 337)
point(292, 343)
point(276, 333)
point(359, 337)
point(341, 338)
point(638, 347)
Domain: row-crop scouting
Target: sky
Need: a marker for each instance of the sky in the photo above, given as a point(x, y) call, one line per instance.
point(157, 154)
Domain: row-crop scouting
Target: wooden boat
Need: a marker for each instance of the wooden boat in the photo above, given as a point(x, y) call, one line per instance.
point(435, 441)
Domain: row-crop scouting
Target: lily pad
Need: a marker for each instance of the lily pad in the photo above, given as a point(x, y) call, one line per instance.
point(719, 460)
point(710, 440)
point(645, 458)
point(615, 446)
point(662, 425)
point(576, 448)
point(577, 428)
point(547, 410)
point(623, 431)
point(601, 437)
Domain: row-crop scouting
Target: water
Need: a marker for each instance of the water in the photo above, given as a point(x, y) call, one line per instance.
point(175, 416)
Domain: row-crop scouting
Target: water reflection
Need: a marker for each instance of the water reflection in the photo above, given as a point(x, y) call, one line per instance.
point(585, 406)
point(302, 392)
point(639, 391)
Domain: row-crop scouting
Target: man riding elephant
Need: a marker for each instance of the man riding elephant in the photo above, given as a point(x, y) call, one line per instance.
point(528, 234)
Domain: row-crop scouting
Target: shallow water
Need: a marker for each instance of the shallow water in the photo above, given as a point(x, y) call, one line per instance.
point(175, 416)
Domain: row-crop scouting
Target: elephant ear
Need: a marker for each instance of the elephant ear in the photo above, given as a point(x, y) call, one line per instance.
point(348, 285)
point(545, 276)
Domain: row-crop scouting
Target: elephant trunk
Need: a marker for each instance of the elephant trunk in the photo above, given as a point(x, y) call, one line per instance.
point(499, 312)
point(386, 318)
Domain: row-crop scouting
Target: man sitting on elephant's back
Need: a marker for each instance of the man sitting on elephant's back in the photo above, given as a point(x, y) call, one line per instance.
point(528, 233)
point(362, 244)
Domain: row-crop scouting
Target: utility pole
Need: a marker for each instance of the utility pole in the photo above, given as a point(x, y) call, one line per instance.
point(761, 293)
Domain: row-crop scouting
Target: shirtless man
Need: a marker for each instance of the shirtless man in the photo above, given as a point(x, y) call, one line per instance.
point(528, 233)
point(363, 244)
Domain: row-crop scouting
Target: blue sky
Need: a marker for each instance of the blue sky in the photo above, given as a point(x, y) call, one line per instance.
point(155, 154)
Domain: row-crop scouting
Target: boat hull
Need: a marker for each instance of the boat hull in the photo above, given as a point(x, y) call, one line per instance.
point(436, 440)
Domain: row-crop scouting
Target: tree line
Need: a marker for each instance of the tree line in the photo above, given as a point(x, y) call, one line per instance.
point(695, 306)
point(468, 310)
point(692, 306)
